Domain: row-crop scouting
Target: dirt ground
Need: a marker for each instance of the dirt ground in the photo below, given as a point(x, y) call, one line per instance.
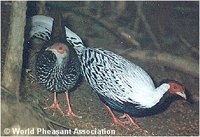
point(181, 118)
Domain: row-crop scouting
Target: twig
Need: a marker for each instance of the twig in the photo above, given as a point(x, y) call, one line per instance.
point(41, 113)
point(136, 25)
point(146, 24)
point(28, 72)
point(129, 37)
point(54, 122)
point(188, 66)
point(4, 89)
point(188, 45)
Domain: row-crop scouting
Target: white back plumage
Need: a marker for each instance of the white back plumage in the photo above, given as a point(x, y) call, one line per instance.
point(122, 81)
point(137, 84)
point(75, 40)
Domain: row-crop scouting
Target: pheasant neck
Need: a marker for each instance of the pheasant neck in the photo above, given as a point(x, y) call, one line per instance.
point(161, 90)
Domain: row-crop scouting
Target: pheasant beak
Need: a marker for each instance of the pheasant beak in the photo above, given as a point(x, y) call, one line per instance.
point(48, 49)
point(182, 94)
point(51, 49)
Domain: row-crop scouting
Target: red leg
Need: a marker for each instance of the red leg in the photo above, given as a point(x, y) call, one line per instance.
point(131, 121)
point(55, 106)
point(69, 109)
point(115, 119)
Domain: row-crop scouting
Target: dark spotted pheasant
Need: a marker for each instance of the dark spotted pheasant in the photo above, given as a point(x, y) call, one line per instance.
point(57, 65)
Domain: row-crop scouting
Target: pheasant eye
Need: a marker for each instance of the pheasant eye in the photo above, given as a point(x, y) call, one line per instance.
point(175, 87)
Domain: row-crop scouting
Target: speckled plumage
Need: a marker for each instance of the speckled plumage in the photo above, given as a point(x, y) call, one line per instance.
point(57, 65)
point(57, 77)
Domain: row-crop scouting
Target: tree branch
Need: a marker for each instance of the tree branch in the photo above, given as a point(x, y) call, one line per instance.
point(146, 24)
point(185, 65)
point(188, 45)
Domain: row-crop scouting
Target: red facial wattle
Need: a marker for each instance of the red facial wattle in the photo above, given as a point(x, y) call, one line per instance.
point(177, 89)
